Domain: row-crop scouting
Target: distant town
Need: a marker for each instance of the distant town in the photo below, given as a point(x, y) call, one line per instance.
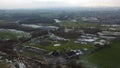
point(59, 38)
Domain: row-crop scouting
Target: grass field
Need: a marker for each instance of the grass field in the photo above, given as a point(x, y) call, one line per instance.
point(10, 34)
point(108, 57)
point(68, 45)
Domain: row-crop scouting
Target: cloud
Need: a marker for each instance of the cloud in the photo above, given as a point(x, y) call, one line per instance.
point(11, 4)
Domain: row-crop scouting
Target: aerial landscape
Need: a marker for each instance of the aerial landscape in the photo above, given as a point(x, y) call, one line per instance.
point(59, 34)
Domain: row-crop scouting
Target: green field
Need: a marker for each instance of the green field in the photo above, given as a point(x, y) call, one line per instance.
point(108, 57)
point(10, 34)
point(69, 45)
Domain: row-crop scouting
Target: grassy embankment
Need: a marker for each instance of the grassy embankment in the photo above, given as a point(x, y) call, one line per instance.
point(108, 57)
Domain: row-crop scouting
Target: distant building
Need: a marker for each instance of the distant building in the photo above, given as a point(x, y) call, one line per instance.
point(84, 39)
point(90, 19)
point(57, 38)
point(74, 20)
point(74, 53)
point(109, 33)
point(48, 28)
point(57, 45)
point(101, 42)
point(57, 20)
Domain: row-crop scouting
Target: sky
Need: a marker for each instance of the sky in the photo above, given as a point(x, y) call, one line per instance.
point(19, 4)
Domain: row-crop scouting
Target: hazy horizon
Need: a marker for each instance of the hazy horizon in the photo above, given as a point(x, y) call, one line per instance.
point(35, 4)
